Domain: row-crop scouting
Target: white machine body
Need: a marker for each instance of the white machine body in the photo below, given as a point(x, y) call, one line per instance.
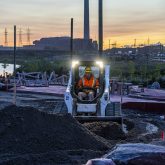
point(90, 108)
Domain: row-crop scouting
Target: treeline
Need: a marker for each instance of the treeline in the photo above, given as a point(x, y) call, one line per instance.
point(60, 67)
point(128, 71)
point(139, 73)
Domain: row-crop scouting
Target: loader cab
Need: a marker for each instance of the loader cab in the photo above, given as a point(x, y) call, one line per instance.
point(98, 109)
point(78, 72)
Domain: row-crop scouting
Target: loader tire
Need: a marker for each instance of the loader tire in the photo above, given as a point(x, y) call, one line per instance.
point(113, 109)
point(98, 112)
point(64, 108)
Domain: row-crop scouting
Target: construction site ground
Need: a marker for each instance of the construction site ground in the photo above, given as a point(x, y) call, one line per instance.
point(149, 95)
point(30, 136)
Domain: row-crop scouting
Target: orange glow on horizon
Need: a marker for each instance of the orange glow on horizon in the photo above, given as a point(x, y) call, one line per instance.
point(108, 41)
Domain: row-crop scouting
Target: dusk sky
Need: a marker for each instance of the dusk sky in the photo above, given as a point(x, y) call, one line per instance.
point(124, 20)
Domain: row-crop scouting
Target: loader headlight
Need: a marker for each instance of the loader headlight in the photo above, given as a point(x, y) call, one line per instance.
point(100, 64)
point(74, 63)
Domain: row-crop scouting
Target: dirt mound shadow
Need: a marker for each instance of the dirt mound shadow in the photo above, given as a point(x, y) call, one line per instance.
point(108, 130)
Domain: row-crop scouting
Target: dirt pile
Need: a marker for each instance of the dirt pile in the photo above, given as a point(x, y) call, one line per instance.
point(108, 130)
point(28, 131)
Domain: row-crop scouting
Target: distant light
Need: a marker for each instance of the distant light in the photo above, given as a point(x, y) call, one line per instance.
point(74, 63)
point(100, 63)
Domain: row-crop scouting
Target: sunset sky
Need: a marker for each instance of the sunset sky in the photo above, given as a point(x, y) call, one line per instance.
point(124, 20)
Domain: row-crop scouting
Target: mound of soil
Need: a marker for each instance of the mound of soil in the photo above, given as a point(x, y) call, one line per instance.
point(61, 157)
point(25, 130)
point(108, 130)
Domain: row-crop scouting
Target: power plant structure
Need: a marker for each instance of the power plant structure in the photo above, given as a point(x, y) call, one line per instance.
point(87, 23)
point(63, 43)
point(79, 44)
point(100, 26)
point(86, 20)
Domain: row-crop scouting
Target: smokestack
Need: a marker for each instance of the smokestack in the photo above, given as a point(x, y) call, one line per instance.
point(71, 38)
point(86, 20)
point(100, 27)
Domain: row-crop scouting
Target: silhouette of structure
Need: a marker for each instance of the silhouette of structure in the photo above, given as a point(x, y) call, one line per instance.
point(109, 44)
point(20, 37)
point(28, 36)
point(63, 44)
point(134, 43)
point(6, 39)
point(148, 41)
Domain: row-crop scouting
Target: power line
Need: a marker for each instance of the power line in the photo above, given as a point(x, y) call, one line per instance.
point(135, 43)
point(148, 41)
point(28, 36)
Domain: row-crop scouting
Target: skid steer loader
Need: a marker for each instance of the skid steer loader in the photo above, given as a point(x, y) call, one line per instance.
point(98, 109)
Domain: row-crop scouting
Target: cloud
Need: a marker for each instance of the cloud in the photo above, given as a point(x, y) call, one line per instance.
point(52, 17)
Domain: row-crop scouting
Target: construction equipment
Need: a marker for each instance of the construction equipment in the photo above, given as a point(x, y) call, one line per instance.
point(98, 109)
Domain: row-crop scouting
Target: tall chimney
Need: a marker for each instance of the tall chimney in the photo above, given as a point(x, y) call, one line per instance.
point(86, 20)
point(100, 27)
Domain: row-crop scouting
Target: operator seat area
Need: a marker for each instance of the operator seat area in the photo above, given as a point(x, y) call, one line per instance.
point(79, 74)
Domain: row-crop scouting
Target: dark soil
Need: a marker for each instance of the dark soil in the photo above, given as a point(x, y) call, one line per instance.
point(31, 137)
point(27, 134)
point(108, 130)
point(60, 157)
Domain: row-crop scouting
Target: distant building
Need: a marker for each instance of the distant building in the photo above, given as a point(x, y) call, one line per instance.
point(5, 48)
point(122, 51)
point(154, 49)
point(63, 44)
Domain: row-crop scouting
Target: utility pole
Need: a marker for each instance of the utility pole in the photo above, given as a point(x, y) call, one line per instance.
point(116, 44)
point(134, 43)
point(109, 44)
point(20, 37)
point(6, 40)
point(148, 41)
point(28, 36)
point(14, 69)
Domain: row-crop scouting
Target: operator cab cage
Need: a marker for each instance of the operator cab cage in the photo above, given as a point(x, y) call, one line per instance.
point(98, 109)
point(78, 71)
